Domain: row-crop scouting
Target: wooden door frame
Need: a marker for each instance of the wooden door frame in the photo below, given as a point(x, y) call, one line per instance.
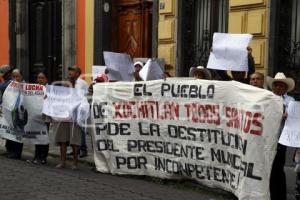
point(102, 29)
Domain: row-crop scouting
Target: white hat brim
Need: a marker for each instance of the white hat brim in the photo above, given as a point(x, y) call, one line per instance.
point(288, 81)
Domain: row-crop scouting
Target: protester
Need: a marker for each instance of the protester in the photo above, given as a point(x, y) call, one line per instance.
point(200, 73)
point(67, 133)
point(137, 68)
point(74, 76)
point(257, 79)
point(41, 150)
point(101, 78)
point(251, 63)
point(280, 85)
point(17, 76)
point(239, 76)
point(13, 149)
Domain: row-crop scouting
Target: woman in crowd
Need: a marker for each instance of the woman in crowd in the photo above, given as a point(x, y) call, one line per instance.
point(67, 133)
point(41, 150)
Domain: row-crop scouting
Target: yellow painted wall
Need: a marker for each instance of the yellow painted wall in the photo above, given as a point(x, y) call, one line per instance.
point(89, 38)
point(252, 17)
point(167, 33)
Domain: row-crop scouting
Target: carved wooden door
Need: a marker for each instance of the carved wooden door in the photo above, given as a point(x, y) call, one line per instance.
point(132, 27)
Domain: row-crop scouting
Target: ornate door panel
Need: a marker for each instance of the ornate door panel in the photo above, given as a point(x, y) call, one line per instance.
point(45, 38)
point(131, 27)
point(287, 51)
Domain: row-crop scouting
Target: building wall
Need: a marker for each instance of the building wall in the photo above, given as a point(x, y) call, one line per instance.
point(80, 34)
point(166, 33)
point(252, 17)
point(4, 30)
point(89, 38)
point(85, 37)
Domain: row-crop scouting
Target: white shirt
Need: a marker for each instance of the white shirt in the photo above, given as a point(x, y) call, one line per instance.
point(82, 84)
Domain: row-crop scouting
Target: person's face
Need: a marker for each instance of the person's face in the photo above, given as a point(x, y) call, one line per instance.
point(257, 80)
point(137, 69)
point(73, 74)
point(16, 76)
point(279, 88)
point(199, 75)
point(42, 79)
point(238, 76)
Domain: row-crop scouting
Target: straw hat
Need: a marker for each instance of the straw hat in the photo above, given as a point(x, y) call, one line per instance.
point(280, 77)
point(205, 71)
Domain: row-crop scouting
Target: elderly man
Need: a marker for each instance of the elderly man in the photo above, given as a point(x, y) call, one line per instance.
point(280, 85)
point(257, 80)
point(74, 76)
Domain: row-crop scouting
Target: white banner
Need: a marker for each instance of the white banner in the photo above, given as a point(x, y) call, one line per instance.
point(290, 135)
point(61, 102)
point(221, 134)
point(229, 52)
point(21, 118)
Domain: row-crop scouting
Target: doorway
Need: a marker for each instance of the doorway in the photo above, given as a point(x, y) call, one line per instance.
point(45, 39)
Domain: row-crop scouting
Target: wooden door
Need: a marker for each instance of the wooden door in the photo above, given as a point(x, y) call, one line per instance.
point(132, 27)
point(45, 41)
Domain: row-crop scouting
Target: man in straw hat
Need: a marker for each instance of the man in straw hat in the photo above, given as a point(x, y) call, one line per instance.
point(200, 73)
point(280, 85)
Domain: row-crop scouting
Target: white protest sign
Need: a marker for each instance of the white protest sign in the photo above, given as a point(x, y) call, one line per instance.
point(119, 66)
point(97, 69)
point(229, 52)
point(61, 102)
point(151, 71)
point(290, 135)
point(221, 134)
point(21, 118)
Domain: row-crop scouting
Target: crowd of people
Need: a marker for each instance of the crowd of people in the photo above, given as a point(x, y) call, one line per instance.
point(70, 133)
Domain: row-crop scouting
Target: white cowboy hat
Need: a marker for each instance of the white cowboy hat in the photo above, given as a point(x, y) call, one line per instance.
point(205, 71)
point(280, 77)
point(138, 63)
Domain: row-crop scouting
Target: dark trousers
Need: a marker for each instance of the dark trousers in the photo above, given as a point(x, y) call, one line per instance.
point(83, 146)
point(41, 152)
point(277, 179)
point(14, 149)
point(297, 192)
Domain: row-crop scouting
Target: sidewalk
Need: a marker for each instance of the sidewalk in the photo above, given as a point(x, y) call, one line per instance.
point(54, 154)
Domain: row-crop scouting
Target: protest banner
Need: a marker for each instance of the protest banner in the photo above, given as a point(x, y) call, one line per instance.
point(290, 135)
point(61, 102)
point(21, 118)
point(229, 52)
point(221, 134)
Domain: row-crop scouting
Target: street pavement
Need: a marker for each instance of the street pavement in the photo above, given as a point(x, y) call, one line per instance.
point(24, 181)
point(20, 180)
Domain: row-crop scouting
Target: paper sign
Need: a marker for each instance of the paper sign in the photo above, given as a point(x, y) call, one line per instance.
point(61, 102)
point(119, 66)
point(97, 69)
point(229, 52)
point(151, 71)
point(290, 135)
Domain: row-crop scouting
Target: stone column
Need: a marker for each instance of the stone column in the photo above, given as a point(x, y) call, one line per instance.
point(68, 35)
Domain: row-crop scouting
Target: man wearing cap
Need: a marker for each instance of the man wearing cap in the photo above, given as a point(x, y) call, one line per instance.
point(13, 149)
point(280, 85)
point(74, 76)
point(137, 68)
